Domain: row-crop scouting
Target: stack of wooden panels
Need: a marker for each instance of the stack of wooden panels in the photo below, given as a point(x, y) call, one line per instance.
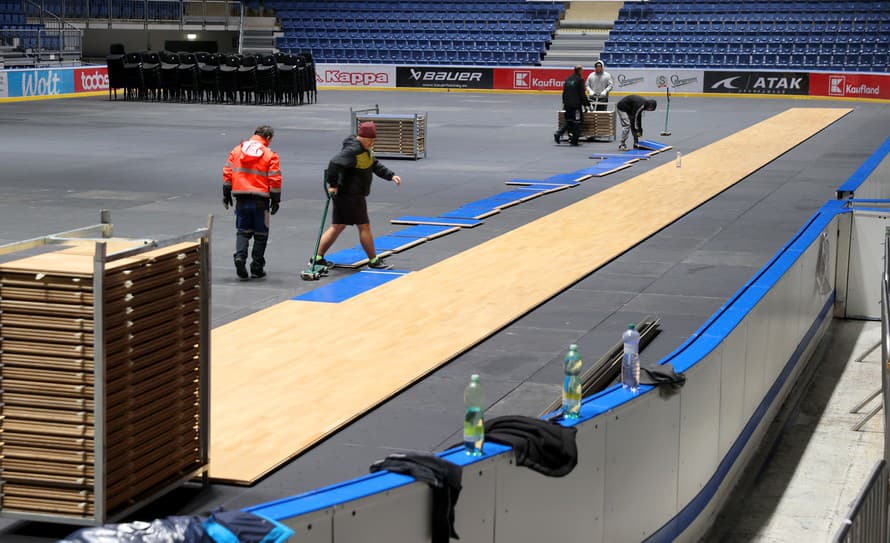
point(402, 136)
point(150, 340)
point(596, 124)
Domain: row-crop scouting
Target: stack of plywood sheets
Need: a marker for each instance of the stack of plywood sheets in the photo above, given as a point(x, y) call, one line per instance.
point(145, 327)
point(400, 136)
point(596, 124)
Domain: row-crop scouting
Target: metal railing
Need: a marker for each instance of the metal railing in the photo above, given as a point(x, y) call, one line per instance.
point(867, 520)
point(183, 13)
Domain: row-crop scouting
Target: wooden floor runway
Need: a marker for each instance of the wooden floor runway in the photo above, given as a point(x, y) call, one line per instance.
point(286, 377)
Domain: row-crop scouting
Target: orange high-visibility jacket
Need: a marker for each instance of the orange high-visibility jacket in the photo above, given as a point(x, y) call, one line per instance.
point(253, 169)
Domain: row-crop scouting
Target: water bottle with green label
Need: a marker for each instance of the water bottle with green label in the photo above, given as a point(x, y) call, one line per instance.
point(474, 424)
point(571, 385)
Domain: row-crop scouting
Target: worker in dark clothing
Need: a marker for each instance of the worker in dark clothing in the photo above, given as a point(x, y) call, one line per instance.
point(574, 99)
point(252, 175)
point(349, 176)
point(630, 113)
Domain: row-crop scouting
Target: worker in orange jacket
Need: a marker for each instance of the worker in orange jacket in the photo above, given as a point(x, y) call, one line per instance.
point(253, 176)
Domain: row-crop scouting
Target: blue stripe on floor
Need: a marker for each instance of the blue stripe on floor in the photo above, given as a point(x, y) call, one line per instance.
point(350, 286)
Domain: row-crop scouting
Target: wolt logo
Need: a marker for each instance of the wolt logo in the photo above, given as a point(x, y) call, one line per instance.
point(836, 85)
point(521, 80)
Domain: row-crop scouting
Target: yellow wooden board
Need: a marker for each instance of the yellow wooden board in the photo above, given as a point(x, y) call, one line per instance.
point(78, 258)
point(311, 368)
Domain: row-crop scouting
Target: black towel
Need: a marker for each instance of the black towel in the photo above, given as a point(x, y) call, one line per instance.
point(444, 478)
point(544, 446)
point(664, 377)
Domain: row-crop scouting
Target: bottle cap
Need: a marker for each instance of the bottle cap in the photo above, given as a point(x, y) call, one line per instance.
point(573, 347)
point(474, 377)
point(631, 326)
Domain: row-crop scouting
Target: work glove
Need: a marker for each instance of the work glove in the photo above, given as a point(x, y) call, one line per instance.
point(227, 196)
point(274, 208)
point(275, 203)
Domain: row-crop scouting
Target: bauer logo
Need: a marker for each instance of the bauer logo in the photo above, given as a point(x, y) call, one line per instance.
point(90, 79)
point(443, 77)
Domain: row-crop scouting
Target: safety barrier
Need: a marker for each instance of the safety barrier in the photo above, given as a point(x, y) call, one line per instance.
point(867, 520)
point(52, 81)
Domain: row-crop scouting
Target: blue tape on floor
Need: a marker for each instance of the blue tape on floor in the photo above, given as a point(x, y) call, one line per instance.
point(412, 219)
point(353, 285)
point(425, 231)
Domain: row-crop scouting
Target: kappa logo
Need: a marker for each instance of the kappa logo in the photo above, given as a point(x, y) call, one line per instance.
point(521, 79)
point(836, 85)
point(354, 78)
point(726, 83)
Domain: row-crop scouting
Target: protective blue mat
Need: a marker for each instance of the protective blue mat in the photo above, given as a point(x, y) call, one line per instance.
point(440, 221)
point(396, 243)
point(352, 257)
point(632, 153)
point(544, 186)
point(352, 285)
point(424, 231)
point(472, 211)
point(569, 178)
point(658, 147)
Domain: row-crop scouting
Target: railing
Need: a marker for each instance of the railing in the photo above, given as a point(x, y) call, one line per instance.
point(867, 520)
point(183, 13)
point(44, 44)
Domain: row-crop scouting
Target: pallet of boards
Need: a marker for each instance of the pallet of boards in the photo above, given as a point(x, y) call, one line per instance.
point(596, 125)
point(102, 380)
point(398, 136)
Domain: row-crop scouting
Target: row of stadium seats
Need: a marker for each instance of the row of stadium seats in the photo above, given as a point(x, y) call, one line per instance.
point(429, 56)
point(159, 10)
point(419, 45)
point(837, 36)
point(554, 8)
point(395, 24)
point(9, 19)
point(417, 34)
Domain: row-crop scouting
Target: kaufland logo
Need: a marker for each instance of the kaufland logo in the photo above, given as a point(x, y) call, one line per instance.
point(552, 83)
point(838, 86)
point(521, 80)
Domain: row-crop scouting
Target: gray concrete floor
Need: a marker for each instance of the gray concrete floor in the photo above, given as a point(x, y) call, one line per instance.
point(157, 168)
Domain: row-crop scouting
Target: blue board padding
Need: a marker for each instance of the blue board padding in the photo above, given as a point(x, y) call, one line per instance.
point(543, 185)
point(393, 243)
point(632, 153)
point(425, 231)
point(562, 177)
point(348, 257)
point(862, 172)
point(413, 219)
point(346, 288)
point(654, 145)
point(471, 211)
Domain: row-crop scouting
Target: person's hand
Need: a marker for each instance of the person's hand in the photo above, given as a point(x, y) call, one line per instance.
point(397, 180)
point(274, 207)
point(227, 201)
point(332, 191)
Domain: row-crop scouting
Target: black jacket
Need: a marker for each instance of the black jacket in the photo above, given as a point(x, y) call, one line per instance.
point(350, 171)
point(634, 105)
point(541, 445)
point(573, 94)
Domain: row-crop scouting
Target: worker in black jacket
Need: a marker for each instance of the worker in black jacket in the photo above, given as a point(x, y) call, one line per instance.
point(349, 176)
point(630, 113)
point(573, 100)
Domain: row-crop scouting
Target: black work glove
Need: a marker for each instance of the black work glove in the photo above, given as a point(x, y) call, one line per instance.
point(275, 203)
point(227, 196)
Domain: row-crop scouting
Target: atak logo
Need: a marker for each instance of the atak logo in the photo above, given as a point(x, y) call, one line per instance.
point(521, 80)
point(354, 78)
point(624, 81)
point(728, 83)
point(435, 75)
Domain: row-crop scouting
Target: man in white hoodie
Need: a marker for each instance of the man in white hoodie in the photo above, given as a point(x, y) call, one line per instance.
point(599, 84)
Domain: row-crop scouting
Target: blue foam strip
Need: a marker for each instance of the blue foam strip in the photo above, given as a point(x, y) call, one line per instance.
point(348, 257)
point(421, 231)
point(391, 243)
point(346, 288)
point(442, 221)
point(656, 146)
point(562, 177)
point(469, 211)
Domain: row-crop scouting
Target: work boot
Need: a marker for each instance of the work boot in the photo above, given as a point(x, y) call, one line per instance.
point(257, 272)
point(556, 137)
point(622, 147)
point(241, 269)
point(378, 264)
point(321, 262)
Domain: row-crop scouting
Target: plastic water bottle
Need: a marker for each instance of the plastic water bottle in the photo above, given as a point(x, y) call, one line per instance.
point(679, 159)
point(474, 423)
point(630, 363)
point(571, 385)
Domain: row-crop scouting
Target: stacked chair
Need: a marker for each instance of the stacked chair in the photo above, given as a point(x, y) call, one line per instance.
point(213, 78)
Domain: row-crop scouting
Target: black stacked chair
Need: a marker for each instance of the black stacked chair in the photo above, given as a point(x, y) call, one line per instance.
point(228, 78)
point(116, 75)
point(132, 76)
point(151, 76)
point(208, 77)
point(266, 76)
point(247, 79)
point(286, 83)
point(188, 77)
point(309, 75)
point(169, 76)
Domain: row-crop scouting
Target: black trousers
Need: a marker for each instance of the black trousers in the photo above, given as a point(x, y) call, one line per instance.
point(574, 117)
